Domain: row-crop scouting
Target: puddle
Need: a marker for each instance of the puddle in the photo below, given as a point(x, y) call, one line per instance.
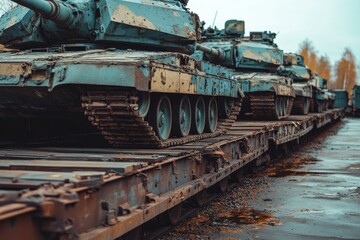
point(326, 197)
point(286, 173)
point(288, 168)
point(354, 167)
point(248, 215)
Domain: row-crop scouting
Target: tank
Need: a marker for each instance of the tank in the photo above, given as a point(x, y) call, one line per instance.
point(323, 99)
point(330, 98)
point(341, 98)
point(318, 98)
point(355, 99)
point(255, 60)
point(311, 91)
point(295, 68)
point(125, 65)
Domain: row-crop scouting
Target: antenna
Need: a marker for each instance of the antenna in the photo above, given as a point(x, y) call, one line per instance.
point(214, 19)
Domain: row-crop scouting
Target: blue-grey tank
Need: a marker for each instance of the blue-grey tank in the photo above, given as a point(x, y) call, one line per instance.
point(302, 76)
point(311, 90)
point(126, 64)
point(323, 99)
point(255, 60)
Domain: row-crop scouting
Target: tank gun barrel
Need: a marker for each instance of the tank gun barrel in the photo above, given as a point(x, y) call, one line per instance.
point(217, 54)
point(57, 11)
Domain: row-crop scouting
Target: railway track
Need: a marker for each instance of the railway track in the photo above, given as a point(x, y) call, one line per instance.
point(103, 193)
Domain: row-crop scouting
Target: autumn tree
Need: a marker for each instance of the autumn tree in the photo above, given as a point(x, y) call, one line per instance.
point(324, 68)
point(346, 74)
point(308, 52)
point(320, 65)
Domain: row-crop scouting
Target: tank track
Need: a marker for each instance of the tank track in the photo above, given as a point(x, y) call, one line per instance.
point(316, 106)
point(298, 106)
point(115, 114)
point(263, 106)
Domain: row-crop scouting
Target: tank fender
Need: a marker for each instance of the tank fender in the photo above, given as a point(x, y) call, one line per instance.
point(133, 76)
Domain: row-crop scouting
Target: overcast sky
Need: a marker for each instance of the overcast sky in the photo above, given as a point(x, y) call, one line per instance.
point(331, 25)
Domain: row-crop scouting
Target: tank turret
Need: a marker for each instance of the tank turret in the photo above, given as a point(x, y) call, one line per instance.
point(230, 48)
point(47, 23)
point(295, 68)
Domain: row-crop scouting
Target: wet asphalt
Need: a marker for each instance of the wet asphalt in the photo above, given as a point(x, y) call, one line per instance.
point(312, 194)
point(320, 200)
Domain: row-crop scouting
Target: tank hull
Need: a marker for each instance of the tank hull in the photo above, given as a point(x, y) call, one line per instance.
point(57, 85)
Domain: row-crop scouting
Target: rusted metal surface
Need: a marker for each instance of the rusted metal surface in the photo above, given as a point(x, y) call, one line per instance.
point(105, 193)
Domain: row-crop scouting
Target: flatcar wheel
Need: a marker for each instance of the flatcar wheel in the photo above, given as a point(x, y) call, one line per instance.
point(200, 198)
point(182, 117)
point(226, 104)
point(173, 215)
point(161, 117)
point(222, 185)
point(198, 120)
point(143, 104)
point(135, 234)
point(212, 115)
point(238, 175)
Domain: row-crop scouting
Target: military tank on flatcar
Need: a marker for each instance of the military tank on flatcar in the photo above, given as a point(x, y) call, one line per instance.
point(126, 64)
point(255, 60)
point(295, 68)
point(312, 94)
point(329, 104)
point(323, 99)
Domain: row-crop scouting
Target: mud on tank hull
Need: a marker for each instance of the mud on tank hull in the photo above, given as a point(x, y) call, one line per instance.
point(135, 98)
point(267, 96)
